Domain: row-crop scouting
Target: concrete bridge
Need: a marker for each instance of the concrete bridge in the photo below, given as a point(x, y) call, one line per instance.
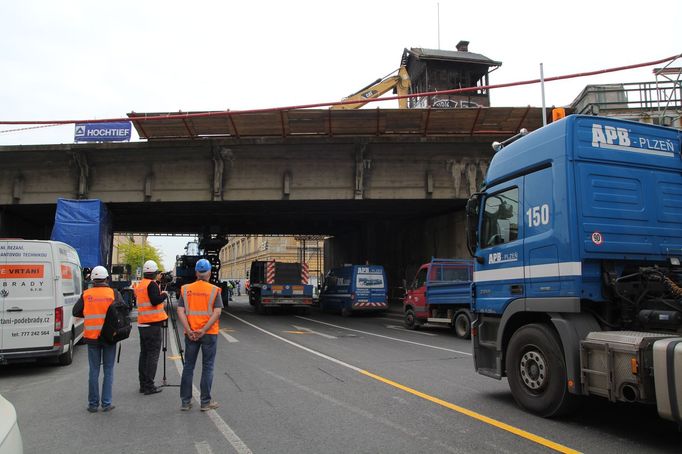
point(388, 185)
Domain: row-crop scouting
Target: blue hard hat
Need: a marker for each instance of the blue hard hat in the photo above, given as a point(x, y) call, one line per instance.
point(202, 266)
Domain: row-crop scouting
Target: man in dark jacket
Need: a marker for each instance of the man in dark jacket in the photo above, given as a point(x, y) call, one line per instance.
point(92, 306)
point(151, 318)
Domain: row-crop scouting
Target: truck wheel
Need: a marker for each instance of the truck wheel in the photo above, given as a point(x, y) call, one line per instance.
point(67, 358)
point(536, 371)
point(411, 320)
point(462, 325)
point(346, 312)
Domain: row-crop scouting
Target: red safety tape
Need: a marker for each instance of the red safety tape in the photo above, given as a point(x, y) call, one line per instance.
point(230, 113)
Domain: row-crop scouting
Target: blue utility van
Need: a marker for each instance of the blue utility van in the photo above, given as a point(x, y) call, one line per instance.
point(354, 288)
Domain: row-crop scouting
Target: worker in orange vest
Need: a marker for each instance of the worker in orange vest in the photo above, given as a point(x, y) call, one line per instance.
point(151, 319)
point(199, 309)
point(92, 306)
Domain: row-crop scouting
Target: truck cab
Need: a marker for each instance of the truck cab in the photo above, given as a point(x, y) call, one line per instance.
point(577, 241)
point(441, 294)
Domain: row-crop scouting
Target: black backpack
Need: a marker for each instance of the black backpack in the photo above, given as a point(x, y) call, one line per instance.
point(117, 325)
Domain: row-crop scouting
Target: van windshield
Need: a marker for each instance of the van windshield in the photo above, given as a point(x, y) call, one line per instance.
point(369, 280)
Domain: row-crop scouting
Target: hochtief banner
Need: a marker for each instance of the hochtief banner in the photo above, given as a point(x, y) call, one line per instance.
point(102, 132)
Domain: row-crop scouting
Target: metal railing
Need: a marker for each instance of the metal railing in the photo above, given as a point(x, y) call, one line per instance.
point(657, 99)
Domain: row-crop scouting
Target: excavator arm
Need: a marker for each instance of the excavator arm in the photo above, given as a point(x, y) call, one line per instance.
point(400, 82)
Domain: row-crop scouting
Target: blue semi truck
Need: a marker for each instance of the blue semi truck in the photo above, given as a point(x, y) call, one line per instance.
point(577, 240)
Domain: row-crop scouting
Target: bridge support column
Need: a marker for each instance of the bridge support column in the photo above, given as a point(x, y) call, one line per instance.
point(83, 180)
point(362, 167)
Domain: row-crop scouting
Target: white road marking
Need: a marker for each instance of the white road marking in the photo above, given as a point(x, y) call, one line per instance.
point(414, 331)
point(390, 318)
point(228, 337)
point(301, 328)
point(309, 350)
point(222, 426)
point(203, 447)
point(382, 336)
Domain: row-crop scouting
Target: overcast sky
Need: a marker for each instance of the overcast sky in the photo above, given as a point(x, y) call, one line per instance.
point(88, 59)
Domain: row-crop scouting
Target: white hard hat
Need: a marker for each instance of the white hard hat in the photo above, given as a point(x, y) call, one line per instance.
point(99, 272)
point(150, 266)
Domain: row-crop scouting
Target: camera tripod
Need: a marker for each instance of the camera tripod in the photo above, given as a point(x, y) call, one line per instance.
point(173, 318)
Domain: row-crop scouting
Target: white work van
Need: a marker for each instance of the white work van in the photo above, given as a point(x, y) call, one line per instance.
point(40, 282)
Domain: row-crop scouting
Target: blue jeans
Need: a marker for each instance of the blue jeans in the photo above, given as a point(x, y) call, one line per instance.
point(105, 355)
point(208, 344)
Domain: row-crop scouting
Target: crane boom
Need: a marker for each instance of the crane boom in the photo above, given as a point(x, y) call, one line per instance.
point(401, 83)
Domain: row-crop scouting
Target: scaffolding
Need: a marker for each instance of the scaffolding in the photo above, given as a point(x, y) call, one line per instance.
point(658, 102)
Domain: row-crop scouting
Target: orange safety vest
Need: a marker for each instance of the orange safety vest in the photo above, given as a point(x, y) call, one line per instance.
point(146, 312)
point(96, 301)
point(199, 298)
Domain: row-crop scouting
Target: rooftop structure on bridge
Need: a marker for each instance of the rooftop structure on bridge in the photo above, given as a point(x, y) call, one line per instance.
point(435, 70)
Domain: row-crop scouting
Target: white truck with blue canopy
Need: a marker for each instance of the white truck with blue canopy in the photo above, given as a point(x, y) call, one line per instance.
point(577, 240)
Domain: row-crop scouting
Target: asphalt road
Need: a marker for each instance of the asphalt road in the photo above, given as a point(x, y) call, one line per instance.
point(318, 383)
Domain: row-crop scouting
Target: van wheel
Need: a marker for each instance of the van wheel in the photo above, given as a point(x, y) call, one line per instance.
point(462, 325)
point(67, 358)
point(411, 320)
point(346, 312)
point(536, 371)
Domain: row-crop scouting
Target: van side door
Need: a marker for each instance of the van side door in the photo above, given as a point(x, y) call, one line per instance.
point(4, 320)
point(27, 286)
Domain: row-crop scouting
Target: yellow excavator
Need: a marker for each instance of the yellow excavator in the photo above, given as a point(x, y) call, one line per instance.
point(400, 82)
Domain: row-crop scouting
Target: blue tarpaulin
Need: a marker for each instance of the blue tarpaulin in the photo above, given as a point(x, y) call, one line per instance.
point(86, 226)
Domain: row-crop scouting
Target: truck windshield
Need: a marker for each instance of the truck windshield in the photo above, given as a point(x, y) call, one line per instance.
point(500, 218)
point(369, 280)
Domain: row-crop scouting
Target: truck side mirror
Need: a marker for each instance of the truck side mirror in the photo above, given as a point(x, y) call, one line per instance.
point(472, 210)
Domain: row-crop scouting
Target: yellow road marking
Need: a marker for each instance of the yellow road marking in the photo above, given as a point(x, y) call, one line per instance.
point(298, 332)
point(472, 414)
point(227, 330)
point(174, 357)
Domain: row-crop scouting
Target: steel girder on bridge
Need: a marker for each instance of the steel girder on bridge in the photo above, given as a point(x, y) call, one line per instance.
point(248, 185)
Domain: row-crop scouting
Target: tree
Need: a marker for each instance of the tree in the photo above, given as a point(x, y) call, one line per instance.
point(136, 254)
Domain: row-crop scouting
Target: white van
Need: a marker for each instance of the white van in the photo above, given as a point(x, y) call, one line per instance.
point(40, 282)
